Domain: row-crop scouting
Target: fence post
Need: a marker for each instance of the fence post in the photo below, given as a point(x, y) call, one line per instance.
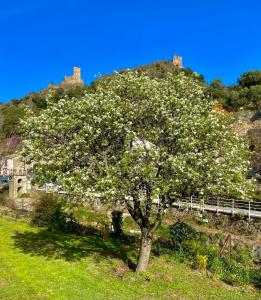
point(233, 207)
point(249, 210)
point(217, 205)
point(191, 202)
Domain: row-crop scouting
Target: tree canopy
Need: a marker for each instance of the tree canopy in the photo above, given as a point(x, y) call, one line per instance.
point(138, 141)
point(11, 120)
point(250, 78)
point(246, 94)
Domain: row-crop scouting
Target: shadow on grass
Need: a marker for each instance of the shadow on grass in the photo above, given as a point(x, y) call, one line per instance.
point(71, 247)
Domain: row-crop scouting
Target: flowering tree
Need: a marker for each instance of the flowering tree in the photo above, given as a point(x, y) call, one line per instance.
point(139, 141)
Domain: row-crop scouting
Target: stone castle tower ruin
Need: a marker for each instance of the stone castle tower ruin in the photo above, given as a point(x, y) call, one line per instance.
point(177, 60)
point(74, 80)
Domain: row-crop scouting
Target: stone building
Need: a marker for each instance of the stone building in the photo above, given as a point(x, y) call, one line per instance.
point(15, 169)
point(74, 80)
point(18, 180)
point(177, 60)
point(17, 186)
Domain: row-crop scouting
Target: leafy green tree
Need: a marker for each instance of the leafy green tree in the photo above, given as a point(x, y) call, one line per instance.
point(233, 100)
point(11, 120)
point(138, 141)
point(250, 78)
point(76, 92)
point(57, 94)
point(254, 95)
point(219, 92)
point(217, 84)
point(39, 101)
point(231, 97)
point(189, 72)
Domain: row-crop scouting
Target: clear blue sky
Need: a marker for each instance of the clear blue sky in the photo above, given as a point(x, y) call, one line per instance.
point(41, 40)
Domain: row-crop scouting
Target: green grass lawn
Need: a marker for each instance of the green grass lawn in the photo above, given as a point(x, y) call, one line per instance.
point(37, 264)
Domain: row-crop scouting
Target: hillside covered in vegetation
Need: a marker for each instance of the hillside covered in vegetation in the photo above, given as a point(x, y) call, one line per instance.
point(242, 100)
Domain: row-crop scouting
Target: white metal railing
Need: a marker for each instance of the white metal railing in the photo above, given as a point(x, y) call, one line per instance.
point(215, 204)
point(221, 205)
point(11, 172)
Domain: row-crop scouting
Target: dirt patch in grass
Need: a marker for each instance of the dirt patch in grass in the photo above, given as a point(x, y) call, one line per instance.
point(165, 277)
point(120, 272)
point(173, 295)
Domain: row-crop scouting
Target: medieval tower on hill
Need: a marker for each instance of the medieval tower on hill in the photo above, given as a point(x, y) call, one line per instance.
point(74, 80)
point(177, 60)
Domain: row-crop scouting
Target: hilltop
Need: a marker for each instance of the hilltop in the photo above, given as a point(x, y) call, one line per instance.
point(73, 87)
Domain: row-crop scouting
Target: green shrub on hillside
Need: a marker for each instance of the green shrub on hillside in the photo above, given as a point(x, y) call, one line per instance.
point(12, 116)
point(201, 250)
point(247, 94)
point(180, 233)
point(50, 212)
point(39, 101)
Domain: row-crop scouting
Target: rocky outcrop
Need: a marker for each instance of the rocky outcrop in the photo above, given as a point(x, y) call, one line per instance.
point(249, 124)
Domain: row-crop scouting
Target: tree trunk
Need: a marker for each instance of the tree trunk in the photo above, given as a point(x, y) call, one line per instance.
point(145, 249)
point(117, 223)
